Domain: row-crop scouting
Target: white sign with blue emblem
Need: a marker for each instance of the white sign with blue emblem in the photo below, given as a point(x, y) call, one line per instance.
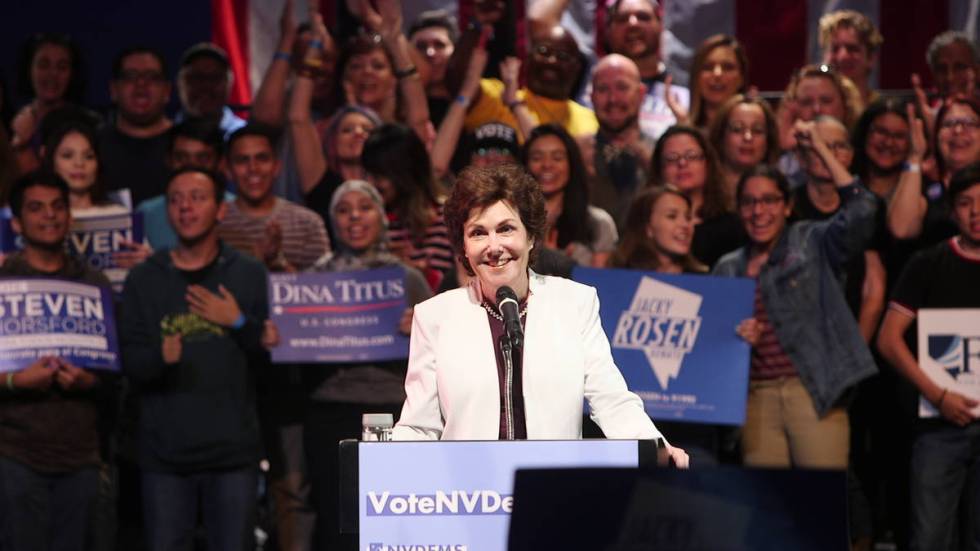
point(949, 352)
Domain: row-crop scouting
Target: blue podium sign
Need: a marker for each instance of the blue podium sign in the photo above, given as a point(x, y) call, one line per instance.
point(673, 338)
point(52, 317)
point(329, 317)
point(458, 495)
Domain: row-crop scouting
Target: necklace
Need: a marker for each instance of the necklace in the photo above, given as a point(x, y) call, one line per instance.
point(493, 311)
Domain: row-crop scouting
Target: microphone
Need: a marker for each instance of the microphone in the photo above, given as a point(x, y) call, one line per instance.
point(510, 310)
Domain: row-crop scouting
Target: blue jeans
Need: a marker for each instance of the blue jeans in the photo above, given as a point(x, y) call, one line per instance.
point(945, 468)
point(45, 511)
point(226, 501)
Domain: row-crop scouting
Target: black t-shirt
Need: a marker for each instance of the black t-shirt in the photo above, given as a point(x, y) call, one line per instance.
point(854, 270)
point(939, 277)
point(137, 164)
point(716, 237)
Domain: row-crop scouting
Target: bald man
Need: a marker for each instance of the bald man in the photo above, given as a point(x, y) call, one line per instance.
point(618, 154)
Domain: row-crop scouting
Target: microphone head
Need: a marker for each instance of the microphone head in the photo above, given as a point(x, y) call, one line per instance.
point(506, 292)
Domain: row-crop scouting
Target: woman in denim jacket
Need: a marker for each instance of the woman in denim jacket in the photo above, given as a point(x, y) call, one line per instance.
point(807, 348)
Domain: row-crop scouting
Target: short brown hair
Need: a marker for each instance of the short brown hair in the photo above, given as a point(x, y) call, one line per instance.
point(479, 188)
point(849, 19)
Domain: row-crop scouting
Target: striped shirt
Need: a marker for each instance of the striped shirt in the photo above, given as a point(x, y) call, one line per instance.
point(769, 360)
point(433, 255)
point(304, 237)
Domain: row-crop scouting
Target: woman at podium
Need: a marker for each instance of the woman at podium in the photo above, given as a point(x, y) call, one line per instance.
point(481, 370)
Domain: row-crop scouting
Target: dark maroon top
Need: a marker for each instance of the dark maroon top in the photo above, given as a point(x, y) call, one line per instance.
point(497, 332)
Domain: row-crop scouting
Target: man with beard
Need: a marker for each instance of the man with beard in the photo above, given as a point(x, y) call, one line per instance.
point(203, 84)
point(618, 155)
point(633, 29)
point(554, 68)
point(133, 146)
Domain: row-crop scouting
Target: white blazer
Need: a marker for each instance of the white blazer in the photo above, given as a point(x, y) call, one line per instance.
point(452, 383)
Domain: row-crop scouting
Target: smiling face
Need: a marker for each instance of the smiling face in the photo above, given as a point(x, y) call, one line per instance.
point(76, 163)
point(954, 70)
point(763, 210)
point(254, 167)
point(192, 208)
point(554, 64)
point(720, 77)
point(547, 161)
point(370, 77)
point(671, 226)
point(352, 131)
point(358, 221)
point(818, 96)
point(959, 137)
point(684, 164)
point(847, 54)
point(887, 144)
point(44, 218)
point(617, 93)
point(497, 247)
point(634, 30)
point(50, 72)
point(745, 136)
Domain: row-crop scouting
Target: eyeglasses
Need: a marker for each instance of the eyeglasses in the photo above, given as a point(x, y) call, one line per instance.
point(966, 124)
point(544, 51)
point(741, 130)
point(132, 76)
point(839, 146)
point(767, 201)
point(687, 156)
point(885, 134)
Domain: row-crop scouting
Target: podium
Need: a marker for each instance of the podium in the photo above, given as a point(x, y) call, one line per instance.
point(581, 494)
point(453, 496)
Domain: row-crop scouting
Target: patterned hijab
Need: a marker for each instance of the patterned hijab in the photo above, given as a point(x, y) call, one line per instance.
point(346, 259)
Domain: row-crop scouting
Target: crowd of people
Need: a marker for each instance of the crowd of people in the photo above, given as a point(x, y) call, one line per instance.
point(850, 209)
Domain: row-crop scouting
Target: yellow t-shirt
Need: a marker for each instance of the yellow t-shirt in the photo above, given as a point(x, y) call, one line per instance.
point(577, 120)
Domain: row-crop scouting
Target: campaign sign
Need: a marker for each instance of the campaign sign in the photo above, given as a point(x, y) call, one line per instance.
point(94, 238)
point(330, 317)
point(458, 496)
point(949, 352)
point(53, 317)
point(673, 338)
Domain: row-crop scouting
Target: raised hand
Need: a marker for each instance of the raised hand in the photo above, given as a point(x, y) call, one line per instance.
point(675, 107)
point(133, 254)
point(917, 136)
point(750, 329)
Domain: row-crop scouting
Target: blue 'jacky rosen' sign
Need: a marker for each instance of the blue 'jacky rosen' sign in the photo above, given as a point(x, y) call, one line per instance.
point(673, 338)
point(51, 317)
point(333, 317)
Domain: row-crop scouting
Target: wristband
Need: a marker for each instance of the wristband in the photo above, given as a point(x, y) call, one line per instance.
point(463, 100)
point(10, 381)
point(239, 321)
point(315, 43)
point(939, 404)
point(282, 56)
point(512, 104)
point(406, 72)
point(912, 167)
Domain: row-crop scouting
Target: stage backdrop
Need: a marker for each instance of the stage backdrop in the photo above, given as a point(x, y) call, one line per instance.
point(673, 338)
